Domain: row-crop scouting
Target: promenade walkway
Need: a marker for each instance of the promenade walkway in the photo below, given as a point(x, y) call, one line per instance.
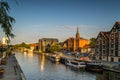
point(11, 69)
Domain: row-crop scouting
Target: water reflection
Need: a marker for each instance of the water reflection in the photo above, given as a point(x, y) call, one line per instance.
point(42, 62)
point(107, 75)
point(37, 67)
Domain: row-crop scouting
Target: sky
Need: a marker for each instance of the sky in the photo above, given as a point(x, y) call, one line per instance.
point(37, 19)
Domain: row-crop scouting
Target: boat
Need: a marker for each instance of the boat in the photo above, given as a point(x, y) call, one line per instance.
point(63, 60)
point(94, 66)
point(68, 62)
point(78, 64)
point(55, 58)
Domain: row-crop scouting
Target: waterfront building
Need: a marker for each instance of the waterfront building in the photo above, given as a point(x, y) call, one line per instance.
point(108, 44)
point(77, 43)
point(45, 44)
point(34, 47)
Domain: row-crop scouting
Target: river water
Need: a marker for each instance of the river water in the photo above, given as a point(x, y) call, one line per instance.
point(37, 67)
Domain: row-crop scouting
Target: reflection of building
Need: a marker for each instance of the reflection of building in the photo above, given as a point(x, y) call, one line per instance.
point(108, 75)
point(75, 44)
point(45, 43)
point(108, 44)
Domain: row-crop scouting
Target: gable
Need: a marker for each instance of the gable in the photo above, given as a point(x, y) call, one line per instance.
point(116, 27)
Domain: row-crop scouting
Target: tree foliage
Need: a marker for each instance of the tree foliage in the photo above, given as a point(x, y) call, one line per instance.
point(6, 21)
point(54, 48)
point(22, 45)
point(92, 42)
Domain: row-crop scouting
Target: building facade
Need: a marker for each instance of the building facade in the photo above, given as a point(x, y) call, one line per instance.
point(34, 47)
point(75, 44)
point(102, 46)
point(45, 43)
point(108, 44)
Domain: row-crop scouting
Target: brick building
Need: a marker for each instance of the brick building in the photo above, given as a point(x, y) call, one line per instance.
point(108, 44)
point(75, 44)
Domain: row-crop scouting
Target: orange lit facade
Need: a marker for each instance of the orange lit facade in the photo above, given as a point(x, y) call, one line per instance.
point(34, 46)
point(77, 43)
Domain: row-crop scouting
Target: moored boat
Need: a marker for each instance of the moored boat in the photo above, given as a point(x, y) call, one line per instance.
point(76, 64)
point(55, 58)
point(94, 66)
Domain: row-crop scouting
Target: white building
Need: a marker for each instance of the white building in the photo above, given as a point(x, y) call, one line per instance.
point(5, 40)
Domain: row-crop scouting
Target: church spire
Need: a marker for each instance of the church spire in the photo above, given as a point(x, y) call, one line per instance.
point(77, 33)
point(77, 30)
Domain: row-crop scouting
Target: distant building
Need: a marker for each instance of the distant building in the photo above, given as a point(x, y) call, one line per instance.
point(108, 44)
point(77, 43)
point(34, 47)
point(5, 40)
point(45, 44)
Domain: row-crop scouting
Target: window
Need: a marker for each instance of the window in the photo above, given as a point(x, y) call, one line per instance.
point(112, 59)
point(111, 51)
point(112, 45)
point(119, 60)
point(103, 42)
point(116, 53)
point(100, 58)
point(112, 41)
point(103, 51)
point(103, 46)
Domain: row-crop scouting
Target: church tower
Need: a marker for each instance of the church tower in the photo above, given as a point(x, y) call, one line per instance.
point(77, 34)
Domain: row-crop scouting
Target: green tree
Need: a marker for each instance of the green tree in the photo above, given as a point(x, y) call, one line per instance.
point(54, 48)
point(6, 21)
point(92, 42)
point(24, 45)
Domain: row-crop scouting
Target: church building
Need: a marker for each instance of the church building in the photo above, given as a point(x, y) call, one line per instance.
point(77, 43)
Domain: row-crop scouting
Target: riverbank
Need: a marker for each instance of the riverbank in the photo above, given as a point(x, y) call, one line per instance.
point(110, 66)
point(12, 70)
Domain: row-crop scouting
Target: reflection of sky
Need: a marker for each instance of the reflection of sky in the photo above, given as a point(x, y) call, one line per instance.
point(59, 18)
point(43, 69)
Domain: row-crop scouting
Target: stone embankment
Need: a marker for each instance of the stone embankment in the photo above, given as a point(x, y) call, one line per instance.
point(12, 70)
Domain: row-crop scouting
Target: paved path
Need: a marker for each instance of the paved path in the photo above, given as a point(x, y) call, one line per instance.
point(11, 70)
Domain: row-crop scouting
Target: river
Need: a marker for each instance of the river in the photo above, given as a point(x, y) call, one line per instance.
point(37, 67)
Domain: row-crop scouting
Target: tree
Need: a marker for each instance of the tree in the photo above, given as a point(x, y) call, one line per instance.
point(6, 21)
point(92, 42)
point(54, 48)
point(24, 45)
